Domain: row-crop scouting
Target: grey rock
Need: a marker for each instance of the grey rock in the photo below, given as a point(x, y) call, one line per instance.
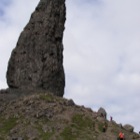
point(20, 138)
point(120, 125)
point(100, 119)
point(135, 136)
point(32, 133)
point(46, 128)
point(70, 103)
point(36, 63)
point(129, 127)
point(102, 113)
point(3, 91)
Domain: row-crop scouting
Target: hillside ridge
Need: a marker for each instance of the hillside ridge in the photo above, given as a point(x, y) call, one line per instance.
point(45, 116)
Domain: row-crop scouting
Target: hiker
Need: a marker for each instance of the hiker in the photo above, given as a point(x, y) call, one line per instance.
point(111, 118)
point(104, 128)
point(121, 136)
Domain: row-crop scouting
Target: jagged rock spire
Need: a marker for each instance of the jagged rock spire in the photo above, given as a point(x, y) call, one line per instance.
point(36, 63)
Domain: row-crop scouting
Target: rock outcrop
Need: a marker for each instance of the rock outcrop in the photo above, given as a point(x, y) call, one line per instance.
point(37, 61)
point(129, 127)
point(102, 112)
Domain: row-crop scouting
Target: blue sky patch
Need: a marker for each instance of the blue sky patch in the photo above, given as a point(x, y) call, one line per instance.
point(1, 12)
point(3, 4)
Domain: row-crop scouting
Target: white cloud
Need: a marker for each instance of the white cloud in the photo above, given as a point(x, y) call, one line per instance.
point(102, 56)
point(101, 52)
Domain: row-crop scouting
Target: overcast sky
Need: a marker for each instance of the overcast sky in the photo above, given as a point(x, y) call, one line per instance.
point(101, 52)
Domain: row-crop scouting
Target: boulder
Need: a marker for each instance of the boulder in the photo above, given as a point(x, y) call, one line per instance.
point(102, 113)
point(128, 127)
point(36, 63)
point(70, 103)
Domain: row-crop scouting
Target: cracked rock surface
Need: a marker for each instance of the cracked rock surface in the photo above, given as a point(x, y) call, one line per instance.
point(36, 63)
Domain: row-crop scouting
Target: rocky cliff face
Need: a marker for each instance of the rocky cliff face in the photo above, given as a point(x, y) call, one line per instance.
point(37, 61)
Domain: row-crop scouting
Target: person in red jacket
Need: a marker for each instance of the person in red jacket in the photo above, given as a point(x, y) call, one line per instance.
point(121, 136)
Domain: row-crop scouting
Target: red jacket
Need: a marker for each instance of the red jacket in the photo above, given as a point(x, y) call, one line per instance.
point(121, 135)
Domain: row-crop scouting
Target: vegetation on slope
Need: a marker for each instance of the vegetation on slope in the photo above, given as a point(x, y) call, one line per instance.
point(47, 117)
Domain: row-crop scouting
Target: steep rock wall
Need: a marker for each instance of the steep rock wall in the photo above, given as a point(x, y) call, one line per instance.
point(36, 63)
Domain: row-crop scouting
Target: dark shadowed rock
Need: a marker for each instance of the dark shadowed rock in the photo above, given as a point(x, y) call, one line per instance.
point(70, 102)
point(102, 112)
point(37, 61)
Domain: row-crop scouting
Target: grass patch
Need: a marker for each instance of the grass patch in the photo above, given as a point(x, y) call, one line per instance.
point(44, 135)
point(101, 126)
point(67, 134)
point(70, 133)
point(82, 127)
point(83, 122)
point(48, 98)
point(7, 125)
point(2, 138)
